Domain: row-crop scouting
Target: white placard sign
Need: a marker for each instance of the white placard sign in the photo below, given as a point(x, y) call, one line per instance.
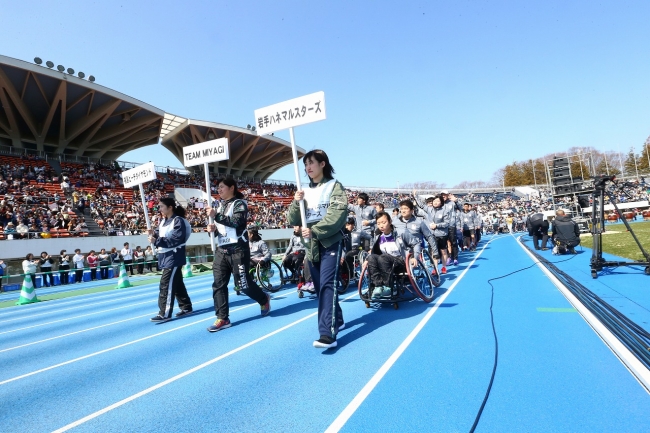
point(287, 114)
point(138, 175)
point(208, 151)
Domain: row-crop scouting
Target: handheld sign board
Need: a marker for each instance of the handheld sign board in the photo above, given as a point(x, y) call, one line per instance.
point(208, 151)
point(287, 114)
point(204, 153)
point(138, 175)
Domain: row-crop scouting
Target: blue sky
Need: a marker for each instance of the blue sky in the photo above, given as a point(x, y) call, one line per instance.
point(415, 91)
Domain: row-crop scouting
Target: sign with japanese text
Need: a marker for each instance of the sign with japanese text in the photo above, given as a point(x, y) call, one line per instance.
point(208, 151)
point(287, 114)
point(138, 175)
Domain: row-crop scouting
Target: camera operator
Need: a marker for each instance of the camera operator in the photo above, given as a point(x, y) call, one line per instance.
point(566, 233)
point(538, 227)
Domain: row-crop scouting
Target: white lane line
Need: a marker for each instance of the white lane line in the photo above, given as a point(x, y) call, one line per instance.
point(78, 300)
point(638, 370)
point(90, 329)
point(116, 347)
point(183, 374)
point(83, 315)
point(344, 416)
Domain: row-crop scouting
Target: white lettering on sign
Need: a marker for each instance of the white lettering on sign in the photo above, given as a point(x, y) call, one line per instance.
point(140, 174)
point(208, 151)
point(287, 114)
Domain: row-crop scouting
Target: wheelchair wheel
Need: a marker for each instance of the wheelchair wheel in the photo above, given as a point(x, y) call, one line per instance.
point(436, 278)
point(269, 276)
point(364, 285)
point(343, 279)
point(420, 279)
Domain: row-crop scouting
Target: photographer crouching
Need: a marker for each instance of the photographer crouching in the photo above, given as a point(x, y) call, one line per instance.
point(566, 233)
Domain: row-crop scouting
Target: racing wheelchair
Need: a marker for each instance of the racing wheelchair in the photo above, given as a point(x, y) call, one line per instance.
point(417, 281)
point(268, 275)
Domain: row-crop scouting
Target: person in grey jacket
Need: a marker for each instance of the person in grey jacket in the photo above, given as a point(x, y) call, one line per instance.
point(451, 204)
point(294, 255)
point(364, 215)
point(259, 250)
point(439, 225)
point(468, 222)
point(389, 254)
point(407, 222)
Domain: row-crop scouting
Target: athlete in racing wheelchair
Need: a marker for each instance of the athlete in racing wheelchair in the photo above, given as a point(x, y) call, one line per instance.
point(394, 267)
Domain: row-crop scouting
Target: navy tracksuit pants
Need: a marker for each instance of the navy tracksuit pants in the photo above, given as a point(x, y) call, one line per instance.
point(323, 274)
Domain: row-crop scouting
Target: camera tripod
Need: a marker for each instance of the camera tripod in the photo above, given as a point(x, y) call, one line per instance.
point(598, 227)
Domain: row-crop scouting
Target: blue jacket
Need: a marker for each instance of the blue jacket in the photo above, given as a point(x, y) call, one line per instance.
point(179, 235)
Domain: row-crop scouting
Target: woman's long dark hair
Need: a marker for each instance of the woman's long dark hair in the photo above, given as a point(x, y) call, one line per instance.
point(170, 202)
point(229, 181)
point(320, 156)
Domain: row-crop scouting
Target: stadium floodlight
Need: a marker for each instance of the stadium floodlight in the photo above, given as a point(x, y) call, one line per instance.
point(38, 60)
point(91, 79)
point(211, 135)
point(248, 126)
point(49, 64)
point(70, 71)
point(60, 68)
point(81, 74)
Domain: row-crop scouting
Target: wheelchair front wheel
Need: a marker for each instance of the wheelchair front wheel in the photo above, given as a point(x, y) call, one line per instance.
point(420, 279)
point(269, 276)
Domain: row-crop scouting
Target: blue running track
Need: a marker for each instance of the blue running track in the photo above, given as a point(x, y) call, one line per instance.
point(94, 363)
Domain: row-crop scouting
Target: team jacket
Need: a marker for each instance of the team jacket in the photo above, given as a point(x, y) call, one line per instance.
point(259, 250)
point(418, 229)
point(333, 213)
point(364, 213)
point(295, 245)
point(440, 217)
point(170, 239)
point(404, 242)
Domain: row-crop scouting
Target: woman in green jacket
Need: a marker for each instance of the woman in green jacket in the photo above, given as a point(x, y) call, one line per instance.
point(326, 211)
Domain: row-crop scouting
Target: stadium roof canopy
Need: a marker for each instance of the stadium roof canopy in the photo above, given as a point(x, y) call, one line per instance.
point(47, 110)
point(52, 111)
point(251, 155)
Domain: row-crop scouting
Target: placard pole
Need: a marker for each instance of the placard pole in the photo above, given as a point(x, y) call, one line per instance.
point(303, 216)
point(146, 213)
point(207, 190)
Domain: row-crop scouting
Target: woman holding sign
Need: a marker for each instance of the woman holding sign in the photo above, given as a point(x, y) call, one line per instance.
point(233, 254)
point(169, 240)
point(326, 210)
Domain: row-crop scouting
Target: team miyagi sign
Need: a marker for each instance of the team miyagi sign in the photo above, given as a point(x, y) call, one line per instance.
point(208, 151)
point(204, 153)
point(287, 114)
point(139, 175)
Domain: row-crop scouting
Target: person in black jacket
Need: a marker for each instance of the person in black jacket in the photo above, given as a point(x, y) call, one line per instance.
point(566, 233)
point(538, 227)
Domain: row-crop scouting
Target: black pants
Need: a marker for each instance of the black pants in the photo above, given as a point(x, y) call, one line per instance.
point(233, 261)
point(454, 243)
point(293, 262)
point(539, 229)
point(48, 275)
point(140, 267)
point(349, 258)
point(382, 266)
point(64, 273)
point(323, 272)
point(79, 275)
point(129, 266)
point(467, 238)
point(93, 274)
point(103, 272)
point(172, 286)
